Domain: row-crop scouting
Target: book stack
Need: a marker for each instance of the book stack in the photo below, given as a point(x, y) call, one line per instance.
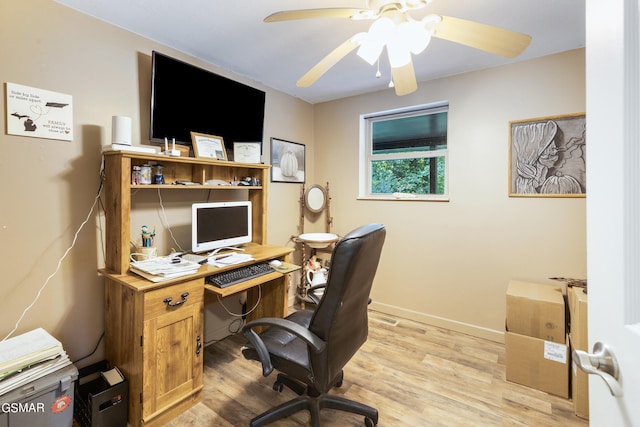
point(159, 269)
point(29, 356)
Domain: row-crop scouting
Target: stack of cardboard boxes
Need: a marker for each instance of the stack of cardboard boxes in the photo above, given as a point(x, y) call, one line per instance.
point(538, 340)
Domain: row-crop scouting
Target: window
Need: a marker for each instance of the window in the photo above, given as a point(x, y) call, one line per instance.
point(403, 153)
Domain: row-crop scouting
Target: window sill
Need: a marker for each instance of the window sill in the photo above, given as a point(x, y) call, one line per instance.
point(415, 198)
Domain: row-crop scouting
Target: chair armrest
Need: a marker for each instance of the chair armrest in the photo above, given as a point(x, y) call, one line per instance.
point(316, 344)
point(313, 297)
point(305, 334)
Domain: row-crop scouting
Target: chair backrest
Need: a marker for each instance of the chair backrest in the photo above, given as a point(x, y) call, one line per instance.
point(341, 317)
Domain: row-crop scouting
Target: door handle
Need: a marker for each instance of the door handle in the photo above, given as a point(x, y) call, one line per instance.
point(602, 363)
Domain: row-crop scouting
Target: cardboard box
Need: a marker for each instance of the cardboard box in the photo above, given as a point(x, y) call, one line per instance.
point(536, 310)
point(577, 301)
point(578, 337)
point(539, 364)
point(579, 390)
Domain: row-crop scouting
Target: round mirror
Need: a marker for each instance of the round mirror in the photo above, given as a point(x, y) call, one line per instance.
point(315, 198)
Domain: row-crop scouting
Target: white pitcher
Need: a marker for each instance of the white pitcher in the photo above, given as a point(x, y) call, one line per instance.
point(317, 277)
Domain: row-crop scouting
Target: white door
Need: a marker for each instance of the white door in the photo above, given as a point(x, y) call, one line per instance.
point(613, 202)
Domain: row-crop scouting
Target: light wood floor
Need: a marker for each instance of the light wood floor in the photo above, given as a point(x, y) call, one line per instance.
point(414, 374)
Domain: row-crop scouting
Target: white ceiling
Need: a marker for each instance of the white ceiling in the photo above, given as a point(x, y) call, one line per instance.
point(231, 34)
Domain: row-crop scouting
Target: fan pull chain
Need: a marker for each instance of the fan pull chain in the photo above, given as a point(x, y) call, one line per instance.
point(378, 74)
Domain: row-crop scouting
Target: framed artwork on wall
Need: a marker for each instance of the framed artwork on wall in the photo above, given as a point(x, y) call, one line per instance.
point(287, 161)
point(547, 157)
point(208, 146)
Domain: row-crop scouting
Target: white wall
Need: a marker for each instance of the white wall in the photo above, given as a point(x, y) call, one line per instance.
point(448, 263)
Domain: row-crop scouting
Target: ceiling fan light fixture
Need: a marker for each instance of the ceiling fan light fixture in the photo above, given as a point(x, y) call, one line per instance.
point(368, 50)
point(401, 34)
point(398, 53)
point(414, 35)
point(415, 4)
point(373, 41)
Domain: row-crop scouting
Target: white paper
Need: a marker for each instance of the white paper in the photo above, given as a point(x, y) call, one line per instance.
point(166, 266)
point(230, 259)
point(28, 348)
point(555, 352)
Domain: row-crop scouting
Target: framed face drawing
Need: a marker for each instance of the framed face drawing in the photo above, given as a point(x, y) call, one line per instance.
point(547, 157)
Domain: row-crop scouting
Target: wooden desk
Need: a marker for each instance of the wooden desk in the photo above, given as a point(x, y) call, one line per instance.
point(158, 345)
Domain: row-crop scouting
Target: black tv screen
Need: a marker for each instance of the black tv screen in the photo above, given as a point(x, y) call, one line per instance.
point(186, 98)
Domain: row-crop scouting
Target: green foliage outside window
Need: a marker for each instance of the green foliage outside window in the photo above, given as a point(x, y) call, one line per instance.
point(416, 176)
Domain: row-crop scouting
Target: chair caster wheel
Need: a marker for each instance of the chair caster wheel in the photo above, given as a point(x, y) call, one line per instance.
point(278, 386)
point(369, 422)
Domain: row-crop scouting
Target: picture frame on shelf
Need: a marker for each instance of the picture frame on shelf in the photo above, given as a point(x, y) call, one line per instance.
point(547, 156)
point(287, 161)
point(208, 146)
point(247, 152)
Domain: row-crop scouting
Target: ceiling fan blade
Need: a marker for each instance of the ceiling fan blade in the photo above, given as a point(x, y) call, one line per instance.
point(290, 15)
point(481, 36)
point(326, 63)
point(404, 79)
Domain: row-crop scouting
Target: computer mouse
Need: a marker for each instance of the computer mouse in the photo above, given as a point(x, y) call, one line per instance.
point(275, 263)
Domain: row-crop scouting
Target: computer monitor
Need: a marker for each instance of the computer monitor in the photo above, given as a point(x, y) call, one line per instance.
point(215, 225)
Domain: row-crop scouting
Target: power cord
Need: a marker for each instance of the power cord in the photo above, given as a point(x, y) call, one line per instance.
point(242, 314)
point(73, 243)
point(92, 351)
point(166, 222)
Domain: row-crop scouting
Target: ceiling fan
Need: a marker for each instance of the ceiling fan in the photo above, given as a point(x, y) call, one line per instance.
point(403, 36)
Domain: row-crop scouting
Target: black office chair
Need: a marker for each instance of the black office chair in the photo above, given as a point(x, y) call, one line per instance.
point(310, 348)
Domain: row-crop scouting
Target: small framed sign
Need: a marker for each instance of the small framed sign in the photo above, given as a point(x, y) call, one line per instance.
point(38, 113)
point(247, 152)
point(208, 146)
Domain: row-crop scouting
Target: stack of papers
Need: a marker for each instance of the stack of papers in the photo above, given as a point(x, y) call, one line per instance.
point(29, 356)
point(157, 269)
point(231, 259)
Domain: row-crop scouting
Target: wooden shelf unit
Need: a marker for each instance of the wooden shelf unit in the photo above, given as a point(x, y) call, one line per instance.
point(156, 343)
point(117, 188)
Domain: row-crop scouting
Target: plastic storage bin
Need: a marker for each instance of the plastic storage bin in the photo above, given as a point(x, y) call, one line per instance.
point(45, 402)
point(97, 403)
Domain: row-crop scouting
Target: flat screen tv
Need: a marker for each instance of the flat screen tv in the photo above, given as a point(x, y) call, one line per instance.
point(186, 98)
point(217, 225)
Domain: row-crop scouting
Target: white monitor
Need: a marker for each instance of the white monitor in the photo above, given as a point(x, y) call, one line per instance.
point(218, 224)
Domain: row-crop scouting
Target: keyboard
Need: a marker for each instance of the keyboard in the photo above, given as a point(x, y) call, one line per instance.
point(241, 274)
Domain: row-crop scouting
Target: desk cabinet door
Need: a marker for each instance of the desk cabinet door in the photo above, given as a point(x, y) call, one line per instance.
point(173, 347)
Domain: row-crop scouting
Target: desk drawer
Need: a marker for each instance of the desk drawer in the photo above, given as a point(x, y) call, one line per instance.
point(170, 298)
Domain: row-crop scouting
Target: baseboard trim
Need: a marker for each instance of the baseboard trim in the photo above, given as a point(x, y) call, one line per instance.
point(441, 322)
